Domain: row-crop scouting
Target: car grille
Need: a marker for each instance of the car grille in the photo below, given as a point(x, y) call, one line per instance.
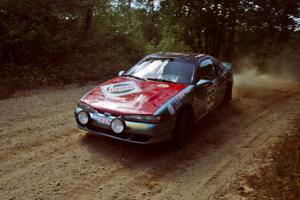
point(107, 132)
point(124, 135)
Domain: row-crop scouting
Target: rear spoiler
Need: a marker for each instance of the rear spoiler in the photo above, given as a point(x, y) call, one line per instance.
point(227, 65)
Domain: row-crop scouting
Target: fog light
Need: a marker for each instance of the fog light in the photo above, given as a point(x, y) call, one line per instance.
point(117, 125)
point(83, 118)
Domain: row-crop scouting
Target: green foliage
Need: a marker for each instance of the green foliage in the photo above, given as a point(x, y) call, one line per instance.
point(231, 28)
point(46, 42)
point(170, 42)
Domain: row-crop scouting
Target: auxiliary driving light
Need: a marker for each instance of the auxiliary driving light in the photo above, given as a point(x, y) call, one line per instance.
point(83, 118)
point(117, 125)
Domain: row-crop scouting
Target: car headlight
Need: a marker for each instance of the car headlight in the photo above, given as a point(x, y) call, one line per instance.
point(83, 118)
point(117, 125)
point(153, 119)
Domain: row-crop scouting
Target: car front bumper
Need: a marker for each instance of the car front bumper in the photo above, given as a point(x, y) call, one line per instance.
point(135, 132)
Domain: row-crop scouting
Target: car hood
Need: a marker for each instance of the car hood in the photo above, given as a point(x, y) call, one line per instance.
point(125, 95)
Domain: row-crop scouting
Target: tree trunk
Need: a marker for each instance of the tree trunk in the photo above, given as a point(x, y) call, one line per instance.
point(206, 41)
point(231, 39)
point(88, 18)
point(129, 4)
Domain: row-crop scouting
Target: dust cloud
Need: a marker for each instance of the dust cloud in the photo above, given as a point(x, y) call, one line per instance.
point(252, 78)
point(249, 80)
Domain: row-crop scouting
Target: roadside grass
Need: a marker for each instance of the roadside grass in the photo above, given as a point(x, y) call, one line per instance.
point(280, 178)
point(30, 78)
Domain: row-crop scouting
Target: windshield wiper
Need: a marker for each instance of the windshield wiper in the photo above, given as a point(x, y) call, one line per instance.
point(161, 80)
point(136, 77)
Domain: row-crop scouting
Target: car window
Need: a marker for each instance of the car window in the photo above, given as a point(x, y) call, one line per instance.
point(206, 70)
point(169, 69)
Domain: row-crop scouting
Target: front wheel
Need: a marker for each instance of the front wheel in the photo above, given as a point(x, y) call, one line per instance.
point(183, 128)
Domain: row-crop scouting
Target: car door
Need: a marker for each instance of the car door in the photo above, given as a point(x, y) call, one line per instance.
point(206, 86)
point(220, 81)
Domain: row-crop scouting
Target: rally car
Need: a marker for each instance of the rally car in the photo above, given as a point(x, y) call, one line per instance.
point(158, 99)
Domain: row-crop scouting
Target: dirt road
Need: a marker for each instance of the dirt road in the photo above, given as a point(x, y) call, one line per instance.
point(44, 156)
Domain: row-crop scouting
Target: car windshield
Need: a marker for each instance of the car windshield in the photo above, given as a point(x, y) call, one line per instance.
point(164, 69)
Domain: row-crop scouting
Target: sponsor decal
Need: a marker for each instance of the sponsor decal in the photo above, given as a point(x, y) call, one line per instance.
point(120, 89)
point(177, 102)
point(163, 85)
point(211, 96)
point(104, 120)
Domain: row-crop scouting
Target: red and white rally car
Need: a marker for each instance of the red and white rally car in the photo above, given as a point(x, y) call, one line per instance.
point(158, 99)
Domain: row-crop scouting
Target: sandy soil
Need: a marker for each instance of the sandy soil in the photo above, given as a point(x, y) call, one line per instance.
point(44, 156)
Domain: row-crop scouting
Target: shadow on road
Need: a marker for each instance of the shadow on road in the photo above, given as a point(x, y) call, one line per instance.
point(210, 131)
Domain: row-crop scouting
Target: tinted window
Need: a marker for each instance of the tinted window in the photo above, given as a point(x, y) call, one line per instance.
point(175, 70)
point(206, 70)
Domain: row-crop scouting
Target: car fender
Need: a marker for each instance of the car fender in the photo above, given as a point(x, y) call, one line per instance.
point(173, 106)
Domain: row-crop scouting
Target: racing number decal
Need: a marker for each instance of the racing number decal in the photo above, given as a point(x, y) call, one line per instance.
point(211, 96)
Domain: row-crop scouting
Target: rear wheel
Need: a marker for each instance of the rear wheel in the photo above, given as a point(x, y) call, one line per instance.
point(228, 94)
point(183, 128)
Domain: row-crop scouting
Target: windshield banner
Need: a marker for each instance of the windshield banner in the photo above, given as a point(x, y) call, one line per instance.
point(120, 89)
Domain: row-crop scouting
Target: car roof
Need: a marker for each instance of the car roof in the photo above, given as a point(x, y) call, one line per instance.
point(191, 56)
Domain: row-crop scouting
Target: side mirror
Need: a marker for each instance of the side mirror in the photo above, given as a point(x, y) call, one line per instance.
point(203, 83)
point(121, 73)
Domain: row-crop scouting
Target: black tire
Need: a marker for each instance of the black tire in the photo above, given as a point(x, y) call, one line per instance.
point(228, 94)
point(183, 128)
